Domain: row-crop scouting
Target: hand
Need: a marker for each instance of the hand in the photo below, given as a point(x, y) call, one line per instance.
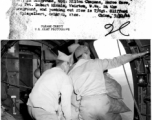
point(144, 53)
point(77, 109)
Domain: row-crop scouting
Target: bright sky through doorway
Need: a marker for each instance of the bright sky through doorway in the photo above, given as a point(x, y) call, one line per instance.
point(108, 49)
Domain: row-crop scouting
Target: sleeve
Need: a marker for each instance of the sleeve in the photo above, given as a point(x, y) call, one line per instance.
point(115, 62)
point(66, 92)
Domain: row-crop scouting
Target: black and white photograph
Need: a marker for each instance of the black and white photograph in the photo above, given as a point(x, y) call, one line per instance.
point(75, 19)
point(75, 59)
point(75, 79)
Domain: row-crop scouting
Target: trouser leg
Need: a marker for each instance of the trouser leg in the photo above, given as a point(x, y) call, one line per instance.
point(40, 114)
point(30, 111)
point(95, 107)
point(74, 113)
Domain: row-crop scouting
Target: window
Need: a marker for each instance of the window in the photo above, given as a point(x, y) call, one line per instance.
point(109, 49)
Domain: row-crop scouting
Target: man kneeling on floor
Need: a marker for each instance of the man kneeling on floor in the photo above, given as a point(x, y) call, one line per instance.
point(43, 102)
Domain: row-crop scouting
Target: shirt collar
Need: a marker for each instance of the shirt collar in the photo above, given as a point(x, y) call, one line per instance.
point(79, 63)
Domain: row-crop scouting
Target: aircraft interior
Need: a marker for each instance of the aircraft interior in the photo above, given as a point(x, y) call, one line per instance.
point(23, 61)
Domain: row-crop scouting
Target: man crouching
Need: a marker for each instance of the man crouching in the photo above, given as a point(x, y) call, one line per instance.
point(43, 102)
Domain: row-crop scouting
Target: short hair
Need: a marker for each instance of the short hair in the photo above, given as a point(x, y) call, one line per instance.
point(76, 59)
point(79, 52)
point(59, 62)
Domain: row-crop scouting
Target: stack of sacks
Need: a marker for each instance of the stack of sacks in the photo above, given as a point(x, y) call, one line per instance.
point(117, 105)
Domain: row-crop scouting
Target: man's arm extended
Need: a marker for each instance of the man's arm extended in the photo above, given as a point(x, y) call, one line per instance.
point(118, 61)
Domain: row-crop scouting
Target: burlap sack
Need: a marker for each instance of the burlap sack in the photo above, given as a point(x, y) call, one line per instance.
point(115, 95)
point(113, 87)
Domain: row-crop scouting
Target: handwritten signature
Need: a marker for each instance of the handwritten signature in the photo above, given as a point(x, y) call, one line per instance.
point(107, 26)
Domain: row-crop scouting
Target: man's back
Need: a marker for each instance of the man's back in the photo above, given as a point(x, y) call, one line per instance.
point(46, 91)
point(88, 78)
